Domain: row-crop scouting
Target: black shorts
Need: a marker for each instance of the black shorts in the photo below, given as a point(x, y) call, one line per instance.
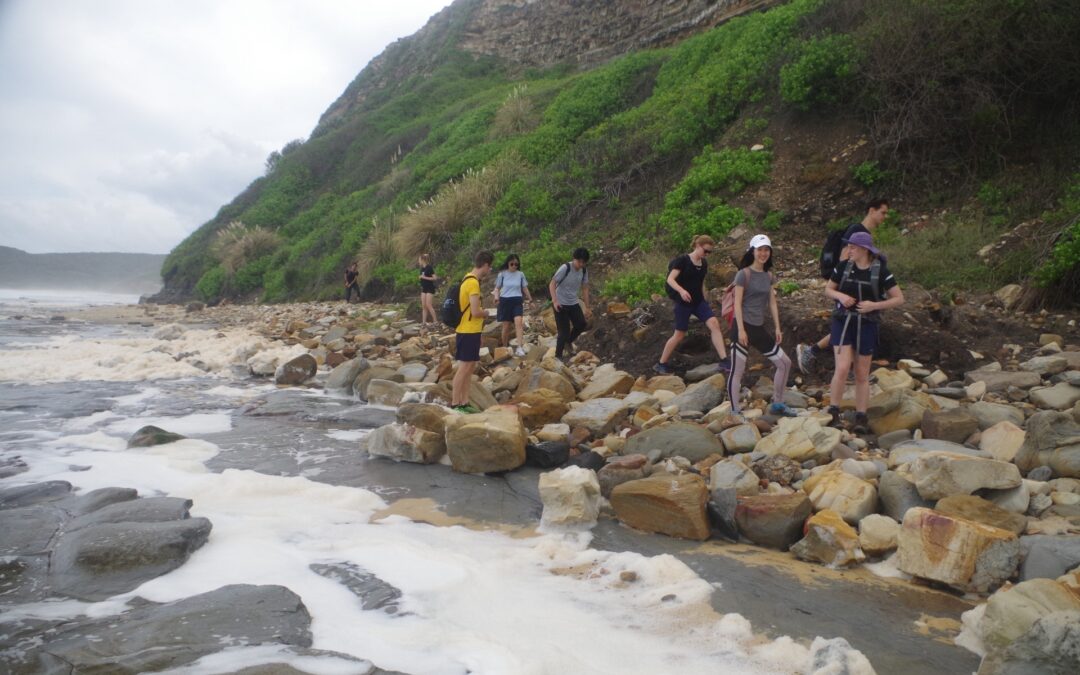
point(509, 308)
point(861, 333)
point(427, 286)
point(468, 347)
point(759, 338)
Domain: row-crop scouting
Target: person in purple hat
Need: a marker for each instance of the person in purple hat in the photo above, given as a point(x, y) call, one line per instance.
point(862, 288)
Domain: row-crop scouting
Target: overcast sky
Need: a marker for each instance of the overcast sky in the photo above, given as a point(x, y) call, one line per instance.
point(126, 124)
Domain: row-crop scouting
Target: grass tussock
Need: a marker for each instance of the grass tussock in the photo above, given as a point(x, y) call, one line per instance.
point(517, 115)
point(430, 225)
point(236, 245)
point(378, 249)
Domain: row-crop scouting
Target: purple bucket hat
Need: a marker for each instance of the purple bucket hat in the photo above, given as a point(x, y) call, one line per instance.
point(864, 240)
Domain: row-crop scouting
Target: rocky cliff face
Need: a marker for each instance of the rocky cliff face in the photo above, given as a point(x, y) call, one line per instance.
point(535, 33)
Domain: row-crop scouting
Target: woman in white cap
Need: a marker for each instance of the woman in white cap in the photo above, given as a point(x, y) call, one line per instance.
point(755, 298)
point(862, 287)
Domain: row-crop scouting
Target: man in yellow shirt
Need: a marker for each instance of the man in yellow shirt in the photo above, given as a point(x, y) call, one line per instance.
point(468, 331)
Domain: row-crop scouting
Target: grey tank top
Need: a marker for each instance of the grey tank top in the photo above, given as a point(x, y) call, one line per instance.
point(757, 288)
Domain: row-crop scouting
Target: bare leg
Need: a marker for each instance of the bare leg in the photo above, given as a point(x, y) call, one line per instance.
point(505, 340)
point(844, 356)
point(713, 324)
point(519, 330)
point(862, 381)
point(462, 377)
point(671, 344)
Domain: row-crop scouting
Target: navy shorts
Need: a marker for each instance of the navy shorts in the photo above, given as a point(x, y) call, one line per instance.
point(683, 312)
point(509, 308)
point(860, 333)
point(468, 347)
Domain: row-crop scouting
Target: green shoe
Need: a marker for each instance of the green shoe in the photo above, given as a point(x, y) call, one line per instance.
point(467, 409)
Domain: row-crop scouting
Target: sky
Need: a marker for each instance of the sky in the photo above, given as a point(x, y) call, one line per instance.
point(126, 124)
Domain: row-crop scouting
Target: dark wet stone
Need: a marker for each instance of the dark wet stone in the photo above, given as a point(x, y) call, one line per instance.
point(150, 436)
point(26, 495)
point(373, 591)
point(1048, 557)
point(29, 530)
point(100, 561)
point(12, 466)
point(23, 579)
point(587, 460)
point(156, 637)
point(547, 455)
point(357, 417)
point(297, 371)
point(1041, 473)
point(147, 510)
point(97, 499)
point(897, 495)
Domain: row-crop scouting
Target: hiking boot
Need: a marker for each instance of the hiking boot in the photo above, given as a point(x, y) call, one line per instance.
point(663, 368)
point(782, 410)
point(467, 409)
point(861, 425)
point(804, 358)
point(724, 366)
point(834, 413)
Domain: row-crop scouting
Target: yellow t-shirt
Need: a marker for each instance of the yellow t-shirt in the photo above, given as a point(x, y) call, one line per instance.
point(469, 286)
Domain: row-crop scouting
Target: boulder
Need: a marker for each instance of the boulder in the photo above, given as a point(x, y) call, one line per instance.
point(990, 414)
point(741, 438)
point(1011, 612)
point(1046, 365)
point(801, 439)
point(538, 378)
point(1001, 380)
point(852, 498)
point(1052, 439)
point(672, 383)
point(343, 376)
point(829, 540)
point(677, 439)
point(427, 416)
point(898, 409)
point(1013, 500)
point(889, 380)
point(606, 381)
point(150, 436)
point(297, 370)
point(941, 474)
point(571, 497)
point(982, 511)
point(599, 415)
point(1048, 557)
point(493, 440)
point(406, 443)
point(552, 432)
point(777, 469)
point(877, 534)
point(733, 475)
point(774, 521)
point(1051, 645)
point(909, 451)
point(413, 372)
point(540, 407)
point(954, 425)
point(385, 392)
point(666, 504)
point(621, 470)
point(547, 454)
point(1061, 396)
point(898, 494)
point(702, 396)
point(890, 439)
point(145, 510)
point(961, 553)
point(360, 384)
point(1002, 441)
point(1009, 295)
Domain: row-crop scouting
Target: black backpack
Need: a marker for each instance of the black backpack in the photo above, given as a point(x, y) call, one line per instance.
point(830, 252)
point(451, 311)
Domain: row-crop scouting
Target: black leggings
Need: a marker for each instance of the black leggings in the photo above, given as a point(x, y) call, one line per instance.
point(569, 314)
point(349, 291)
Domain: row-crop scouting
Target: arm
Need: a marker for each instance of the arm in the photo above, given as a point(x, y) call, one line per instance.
point(739, 292)
point(895, 299)
point(552, 285)
point(476, 307)
point(671, 279)
point(585, 299)
point(498, 287)
point(775, 314)
point(525, 290)
point(832, 290)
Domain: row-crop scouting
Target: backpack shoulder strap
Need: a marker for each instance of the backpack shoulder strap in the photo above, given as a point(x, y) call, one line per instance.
point(564, 266)
point(875, 276)
point(847, 273)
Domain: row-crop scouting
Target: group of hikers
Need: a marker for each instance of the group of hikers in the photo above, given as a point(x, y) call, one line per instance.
point(859, 284)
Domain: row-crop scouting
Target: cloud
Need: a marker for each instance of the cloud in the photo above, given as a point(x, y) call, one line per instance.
point(126, 124)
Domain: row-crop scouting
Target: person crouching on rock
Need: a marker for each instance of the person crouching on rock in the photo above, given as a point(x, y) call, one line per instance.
point(511, 293)
point(469, 330)
point(862, 287)
point(755, 298)
point(686, 286)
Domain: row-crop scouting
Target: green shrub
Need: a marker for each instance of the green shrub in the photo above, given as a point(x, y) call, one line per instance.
point(868, 173)
point(541, 259)
point(1064, 257)
point(822, 72)
point(787, 287)
point(211, 283)
point(772, 220)
point(634, 287)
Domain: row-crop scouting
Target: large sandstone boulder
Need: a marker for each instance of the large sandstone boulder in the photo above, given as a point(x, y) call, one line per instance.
point(540, 407)
point(571, 497)
point(898, 493)
point(621, 470)
point(954, 425)
point(1012, 611)
point(297, 370)
point(406, 443)
point(909, 451)
point(829, 540)
point(538, 378)
point(493, 440)
point(775, 521)
point(343, 376)
point(427, 416)
point(990, 414)
point(678, 439)
point(701, 396)
point(740, 438)
point(961, 553)
point(890, 380)
point(599, 415)
point(941, 474)
point(1052, 439)
point(1000, 380)
point(982, 511)
point(899, 409)
point(385, 392)
point(729, 474)
point(672, 383)
point(1046, 365)
point(1061, 396)
point(878, 534)
point(1049, 557)
point(366, 375)
point(606, 381)
point(1003, 440)
point(852, 498)
point(801, 439)
point(667, 504)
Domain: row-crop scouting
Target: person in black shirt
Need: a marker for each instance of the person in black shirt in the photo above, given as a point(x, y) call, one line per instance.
point(686, 286)
point(876, 212)
point(427, 290)
point(351, 282)
point(861, 287)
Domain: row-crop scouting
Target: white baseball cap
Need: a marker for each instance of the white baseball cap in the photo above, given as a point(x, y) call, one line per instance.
point(760, 240)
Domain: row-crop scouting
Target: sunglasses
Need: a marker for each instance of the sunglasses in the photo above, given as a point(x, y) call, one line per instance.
point(513, 264)
point(706, 251)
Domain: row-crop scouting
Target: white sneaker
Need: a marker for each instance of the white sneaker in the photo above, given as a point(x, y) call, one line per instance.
point(520, 351)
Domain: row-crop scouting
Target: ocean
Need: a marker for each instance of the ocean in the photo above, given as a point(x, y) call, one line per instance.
point(280, 475)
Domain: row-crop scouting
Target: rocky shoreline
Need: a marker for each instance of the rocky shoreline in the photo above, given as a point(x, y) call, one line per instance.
point(970, 481)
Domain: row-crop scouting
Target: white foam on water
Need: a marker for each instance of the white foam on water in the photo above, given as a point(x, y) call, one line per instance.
point(226, 391)
point(237, 658)
point(887, 568)
point(472, 601)
point(348, 434)
point(135, 400)
point(970, 637)
point(188, 425)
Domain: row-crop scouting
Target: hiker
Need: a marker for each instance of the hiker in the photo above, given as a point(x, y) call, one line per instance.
point(511, 292)
point(427, 290)
point(832, 257)
point(686, 286)
point(571, 314)
point(468, 331)
point(755, 297)
point(351, 284)
point(862, 287)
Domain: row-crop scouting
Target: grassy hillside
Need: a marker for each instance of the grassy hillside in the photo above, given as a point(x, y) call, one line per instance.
point(964, 109)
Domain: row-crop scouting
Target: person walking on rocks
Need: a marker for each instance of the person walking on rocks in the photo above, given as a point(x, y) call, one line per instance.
point(571, 313)
point(351, 284)
point(686, 286)
point(755, 298)
point(876, 212)
point(427, 291)
point(511, 293)
point(469, 330)
point(862, 288)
